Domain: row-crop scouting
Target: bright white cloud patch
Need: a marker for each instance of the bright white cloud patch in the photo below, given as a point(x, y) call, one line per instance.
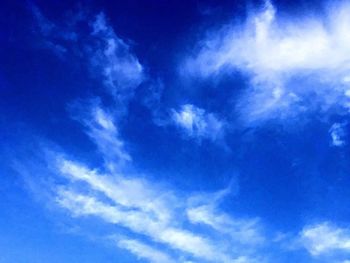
point(325, 238)
point(197, 123)
point(294, 64)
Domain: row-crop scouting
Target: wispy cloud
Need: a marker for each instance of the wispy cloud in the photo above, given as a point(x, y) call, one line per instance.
point(294, 64)
point(100, 127)
point(325, 238)
point(50, 32)
point(338, 134)
point(107, 57)
point(111, 55)
point(204, 209)
point(243, 231)
point(154, 213)
point(144, 251)
point(197, 123)
point(145, 209)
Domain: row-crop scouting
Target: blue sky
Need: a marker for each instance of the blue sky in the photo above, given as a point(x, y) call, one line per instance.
point(169, 131)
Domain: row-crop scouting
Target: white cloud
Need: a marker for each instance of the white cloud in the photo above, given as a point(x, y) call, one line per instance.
point(294, 64)
point(111, 55)
point(144, 251)
point(140, 207)
point(134, 193)
point(243, 231)
point(337, 132)
point(155, 214)
point(205, 209)
point(101, 128)
point(197, 123)
point(324, 238)
point(145, 207)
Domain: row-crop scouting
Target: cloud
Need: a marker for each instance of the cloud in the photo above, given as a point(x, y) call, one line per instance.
point(325, 238)
point(144, 251)
point(129, 192)
point(204, 209)
point(121, 70)
point(107, 57)
point(141, 207)
point(50, 33)
point(243, 231)
point(154, 215)
point(100, 127)
point(197, 123)
point(145, 209)
point(338, 133)
point(295, 65)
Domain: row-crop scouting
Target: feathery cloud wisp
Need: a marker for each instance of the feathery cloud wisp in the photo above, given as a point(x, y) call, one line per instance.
point(337, 132)
point(106, 56)
point(121, 70)
point(197, 123)
point(141, 208)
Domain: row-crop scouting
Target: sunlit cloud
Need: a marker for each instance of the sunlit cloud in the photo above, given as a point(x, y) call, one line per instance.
point(325, 238)
point(295, 65)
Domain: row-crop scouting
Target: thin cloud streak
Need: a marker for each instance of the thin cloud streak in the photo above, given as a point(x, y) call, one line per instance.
point(144, 251)
point(121, 70)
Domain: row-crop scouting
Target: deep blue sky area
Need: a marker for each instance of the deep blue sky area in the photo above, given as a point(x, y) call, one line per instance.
point(175, 131)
